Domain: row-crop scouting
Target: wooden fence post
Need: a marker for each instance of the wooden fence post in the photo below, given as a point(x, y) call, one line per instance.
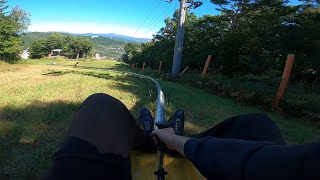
point(284, 81)
point(160, 66)
point(185, 69)
point(205, 69)
point(144, 63)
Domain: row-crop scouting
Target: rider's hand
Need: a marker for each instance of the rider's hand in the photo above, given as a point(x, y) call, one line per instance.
point(164, 135)
point(172, 141)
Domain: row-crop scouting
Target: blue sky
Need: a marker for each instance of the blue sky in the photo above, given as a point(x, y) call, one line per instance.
point(139, 18)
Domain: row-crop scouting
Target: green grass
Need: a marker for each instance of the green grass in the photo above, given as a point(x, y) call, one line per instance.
point(300, 99)
point(67, 62)
point(37, 102)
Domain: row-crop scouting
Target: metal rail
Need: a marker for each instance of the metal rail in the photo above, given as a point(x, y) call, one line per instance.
point(159, 117)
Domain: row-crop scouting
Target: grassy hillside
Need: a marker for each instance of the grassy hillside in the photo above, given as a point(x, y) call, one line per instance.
point(37, 102)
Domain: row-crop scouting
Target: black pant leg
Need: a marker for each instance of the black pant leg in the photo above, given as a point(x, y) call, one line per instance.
point(106, 123)
point(253, 127)
point(78, 159)
point(98, 141)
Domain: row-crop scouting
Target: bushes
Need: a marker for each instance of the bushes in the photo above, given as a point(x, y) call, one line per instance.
point(255, 90)
point(250, 42)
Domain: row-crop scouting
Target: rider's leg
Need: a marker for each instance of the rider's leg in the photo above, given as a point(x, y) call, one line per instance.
point(98, 141)
point(106, 123)
point(254, 127)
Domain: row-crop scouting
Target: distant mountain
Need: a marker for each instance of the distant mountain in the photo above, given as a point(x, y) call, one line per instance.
point(106, 41)
point(31, 37)
point(117, 37)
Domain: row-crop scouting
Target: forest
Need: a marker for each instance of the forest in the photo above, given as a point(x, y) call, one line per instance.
point(72, 46)
point(41, 44)
point(249, 41)
point(250, 37)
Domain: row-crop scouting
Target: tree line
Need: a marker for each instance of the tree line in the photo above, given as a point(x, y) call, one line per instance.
point(249, 37)
point(13, 22)
point(72, 46)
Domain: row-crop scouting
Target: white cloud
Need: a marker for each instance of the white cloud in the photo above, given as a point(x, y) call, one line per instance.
point(80, 28)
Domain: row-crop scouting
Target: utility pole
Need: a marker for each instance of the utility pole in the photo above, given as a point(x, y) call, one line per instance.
point(176, 66)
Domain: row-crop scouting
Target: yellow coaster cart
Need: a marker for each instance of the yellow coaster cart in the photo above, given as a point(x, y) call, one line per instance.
point(161, 166)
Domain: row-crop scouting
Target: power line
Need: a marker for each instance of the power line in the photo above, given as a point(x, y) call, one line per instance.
point(147, 17)
point(150, 12)
point(168, 14)
point(157, 15)
point(153, 26)
point(156, 19)
point(208, 2)
point(209, 6)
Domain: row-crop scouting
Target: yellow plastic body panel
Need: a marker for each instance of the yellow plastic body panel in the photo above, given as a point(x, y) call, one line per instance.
point(144, 165)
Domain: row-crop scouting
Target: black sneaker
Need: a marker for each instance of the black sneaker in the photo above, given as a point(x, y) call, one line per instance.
point(177, 122)
point(145, 121)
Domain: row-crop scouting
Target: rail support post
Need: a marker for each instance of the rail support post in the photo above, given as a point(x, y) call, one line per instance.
point(284, 82)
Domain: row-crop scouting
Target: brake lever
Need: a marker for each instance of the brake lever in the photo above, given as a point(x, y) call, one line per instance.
point(161, 146)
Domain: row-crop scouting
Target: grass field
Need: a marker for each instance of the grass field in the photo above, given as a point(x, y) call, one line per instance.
point(37, 101)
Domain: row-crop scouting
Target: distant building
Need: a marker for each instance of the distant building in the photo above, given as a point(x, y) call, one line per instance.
point(56, 52)
point(97, 56)
point(25, 54)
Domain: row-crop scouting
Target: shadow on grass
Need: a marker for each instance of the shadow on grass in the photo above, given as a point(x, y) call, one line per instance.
point(144, 91)
point(30, 134)
point(115, 67)
point(202, 110)
point(41, 126)
point(93, 74)
point(56, 73)
point(36, 131)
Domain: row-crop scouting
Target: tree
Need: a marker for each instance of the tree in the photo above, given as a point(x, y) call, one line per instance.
point(131, 50)
point(78, 46)
point(21, 19)
point(54, 41)
point(12, 24)
point(3, 8)
point(255, 39)
point(38, 49)
point(72, 47)
point(305, 41)
point(311, 3)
